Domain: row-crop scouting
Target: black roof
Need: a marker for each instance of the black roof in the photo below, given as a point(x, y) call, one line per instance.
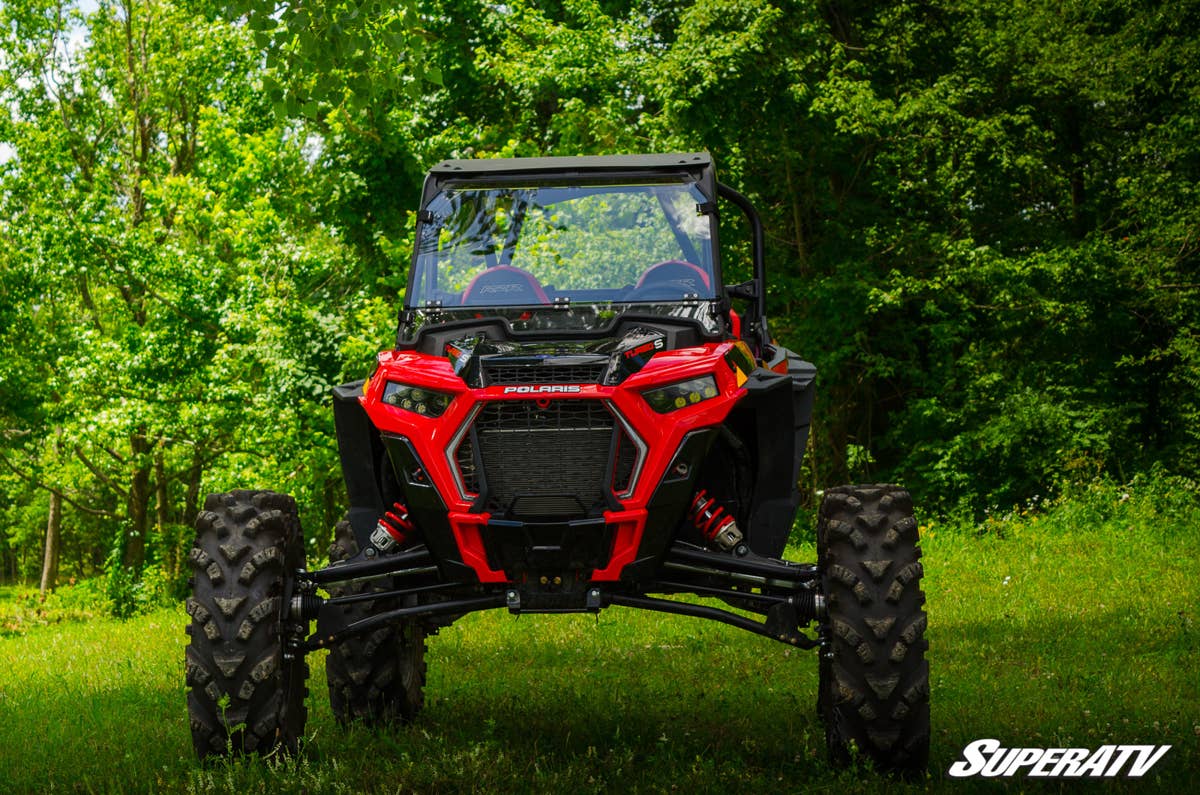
point(666, 162)
point(696, 165)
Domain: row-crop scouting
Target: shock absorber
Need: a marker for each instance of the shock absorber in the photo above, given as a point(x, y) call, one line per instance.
point(394, 529)
point(717, 526)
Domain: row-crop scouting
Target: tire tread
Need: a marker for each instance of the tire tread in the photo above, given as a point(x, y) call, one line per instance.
point(244, 696)
point(379, 677)
point(875, 685)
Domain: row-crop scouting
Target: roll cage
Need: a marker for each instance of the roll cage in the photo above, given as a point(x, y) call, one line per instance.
point(509, 180)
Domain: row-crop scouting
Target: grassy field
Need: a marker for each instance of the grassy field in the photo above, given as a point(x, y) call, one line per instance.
point(1072, 625)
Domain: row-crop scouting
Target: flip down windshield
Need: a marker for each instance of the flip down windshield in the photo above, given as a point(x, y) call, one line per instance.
point(544, 244)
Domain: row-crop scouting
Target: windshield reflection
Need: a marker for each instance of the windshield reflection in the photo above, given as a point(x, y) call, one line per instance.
point(546, 245)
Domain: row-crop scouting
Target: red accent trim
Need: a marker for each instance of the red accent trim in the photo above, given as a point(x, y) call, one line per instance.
point(735, 323)
point(699, 271)
point(534, 284)
point(466, 527)
point(626, 540)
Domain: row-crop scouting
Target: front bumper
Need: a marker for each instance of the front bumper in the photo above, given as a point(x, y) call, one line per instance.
point(565, 526)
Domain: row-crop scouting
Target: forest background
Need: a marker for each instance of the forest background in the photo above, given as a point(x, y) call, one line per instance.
point(983, 226)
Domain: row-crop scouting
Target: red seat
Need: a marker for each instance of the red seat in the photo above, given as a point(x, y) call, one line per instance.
point(504, 285)
point(674, 272)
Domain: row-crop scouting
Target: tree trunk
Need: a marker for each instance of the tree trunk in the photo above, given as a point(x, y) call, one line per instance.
point(191, 500)
point(170, 551)
point(797, 217)
point(139, 501)
point(53, 531)
point(161, 506)
point(1076, 164)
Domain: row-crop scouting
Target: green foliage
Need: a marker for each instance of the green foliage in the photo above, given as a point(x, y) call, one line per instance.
point(341, 54)
point(172, 288)
point(123, 589)
point(22, 608)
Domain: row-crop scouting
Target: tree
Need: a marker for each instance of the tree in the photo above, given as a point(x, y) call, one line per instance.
point(53, 529)
point(341, 54)
point(171, 285)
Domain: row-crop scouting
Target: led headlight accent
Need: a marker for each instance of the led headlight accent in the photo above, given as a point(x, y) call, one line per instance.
point(685, 393)
point(418, 400)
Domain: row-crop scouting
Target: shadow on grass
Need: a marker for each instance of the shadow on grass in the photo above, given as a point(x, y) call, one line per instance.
point(649, 718)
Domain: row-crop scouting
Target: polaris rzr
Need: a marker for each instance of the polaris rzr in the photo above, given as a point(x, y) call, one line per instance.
point(575, 415)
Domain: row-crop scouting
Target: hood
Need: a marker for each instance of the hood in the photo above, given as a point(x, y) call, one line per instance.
point(484, 362)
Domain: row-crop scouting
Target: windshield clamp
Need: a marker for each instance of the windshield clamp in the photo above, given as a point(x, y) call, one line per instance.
point(562, 302)
point(434, 308)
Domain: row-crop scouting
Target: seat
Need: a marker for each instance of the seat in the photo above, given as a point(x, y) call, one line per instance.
point(675, 277)
point(504, 285)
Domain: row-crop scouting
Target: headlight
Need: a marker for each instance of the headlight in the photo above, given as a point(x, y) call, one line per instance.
point(416, 399)
point(685, 393)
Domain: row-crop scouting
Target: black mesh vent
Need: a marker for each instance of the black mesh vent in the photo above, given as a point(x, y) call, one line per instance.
point(513, 374)
point(623, 462)
point(545, 459)
point(465, 456)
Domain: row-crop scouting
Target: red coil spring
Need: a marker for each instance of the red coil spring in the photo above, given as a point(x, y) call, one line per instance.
point(708, 517)
point(397, 523)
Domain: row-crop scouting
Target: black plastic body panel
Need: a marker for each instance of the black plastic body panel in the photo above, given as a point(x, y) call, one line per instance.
point(668, 505)
point(680, 332)
point(427, 510)
point(525, 550)
point(782, 409)
point(361, 452)
point(696, 166)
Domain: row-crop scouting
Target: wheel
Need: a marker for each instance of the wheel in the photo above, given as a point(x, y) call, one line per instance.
point(378, 677)
point(874, 679)
point(245, 694)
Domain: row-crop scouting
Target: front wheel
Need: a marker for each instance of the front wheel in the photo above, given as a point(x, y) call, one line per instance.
point(874, 688)
point(246, 694)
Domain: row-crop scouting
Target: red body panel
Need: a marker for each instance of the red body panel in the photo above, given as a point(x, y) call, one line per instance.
point(662, 434)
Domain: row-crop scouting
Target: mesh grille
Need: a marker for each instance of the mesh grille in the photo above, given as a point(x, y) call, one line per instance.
point(544, 458)
point(512, 374)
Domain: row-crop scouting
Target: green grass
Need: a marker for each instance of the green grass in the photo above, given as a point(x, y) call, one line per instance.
point(1076, 625)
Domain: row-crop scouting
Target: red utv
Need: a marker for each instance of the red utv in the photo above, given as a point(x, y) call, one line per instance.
point(574, 416)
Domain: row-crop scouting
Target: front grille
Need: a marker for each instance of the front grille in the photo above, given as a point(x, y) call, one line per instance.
point(544, 459)
point(516, 374)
